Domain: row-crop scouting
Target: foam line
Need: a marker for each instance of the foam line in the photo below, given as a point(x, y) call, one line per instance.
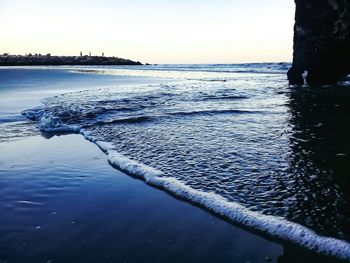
point(274, 226)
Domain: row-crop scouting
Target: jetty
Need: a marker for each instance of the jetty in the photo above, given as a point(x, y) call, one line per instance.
point(48, 60)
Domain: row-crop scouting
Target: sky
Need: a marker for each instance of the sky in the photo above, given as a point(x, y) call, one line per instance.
point(153, 31)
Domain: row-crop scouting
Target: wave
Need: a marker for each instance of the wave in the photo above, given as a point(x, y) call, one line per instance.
point(50, 124)
point(53, 124)
point(229, 128)
point(11, 119)
point(214, 112)
point(224, 97)
point(273, 226)
point(218, 72)
point(134, 119)
point(273, 68)
point(61, 119)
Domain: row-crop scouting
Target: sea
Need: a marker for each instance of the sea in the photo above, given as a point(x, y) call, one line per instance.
point(235, 139)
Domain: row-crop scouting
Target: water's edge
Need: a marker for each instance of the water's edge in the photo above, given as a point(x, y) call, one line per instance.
point(276, 227)
point(115, 117)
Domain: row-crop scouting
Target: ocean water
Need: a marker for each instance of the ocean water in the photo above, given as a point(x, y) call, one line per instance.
point(234, 139)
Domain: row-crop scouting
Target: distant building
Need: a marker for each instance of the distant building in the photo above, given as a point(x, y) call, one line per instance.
point(81, 53)
point(89, 54)
point(103, 54)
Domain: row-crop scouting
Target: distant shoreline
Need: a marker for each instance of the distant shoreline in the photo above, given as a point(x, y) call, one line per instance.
point(48, 60)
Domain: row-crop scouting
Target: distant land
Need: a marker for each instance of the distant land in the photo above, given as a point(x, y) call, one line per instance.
point(48, 60)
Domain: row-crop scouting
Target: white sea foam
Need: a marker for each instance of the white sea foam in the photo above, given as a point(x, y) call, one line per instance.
point(49, 123)
point(147, 173)
point(274, 226)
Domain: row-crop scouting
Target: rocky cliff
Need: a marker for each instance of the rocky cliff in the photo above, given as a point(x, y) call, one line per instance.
point(321, 42)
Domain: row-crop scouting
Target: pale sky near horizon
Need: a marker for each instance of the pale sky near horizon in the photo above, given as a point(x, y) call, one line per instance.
point(154, 31)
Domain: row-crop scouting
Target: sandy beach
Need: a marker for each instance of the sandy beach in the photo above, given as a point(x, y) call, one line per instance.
point(61, 201)
point(60, 204)
point(174, 131)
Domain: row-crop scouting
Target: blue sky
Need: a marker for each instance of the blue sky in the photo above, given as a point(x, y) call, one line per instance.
point(192, 31)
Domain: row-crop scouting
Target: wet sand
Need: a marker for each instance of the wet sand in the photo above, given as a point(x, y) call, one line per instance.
point(62, 202)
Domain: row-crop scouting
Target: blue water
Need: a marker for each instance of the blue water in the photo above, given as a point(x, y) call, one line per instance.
point(238, 132)
point(60, 201)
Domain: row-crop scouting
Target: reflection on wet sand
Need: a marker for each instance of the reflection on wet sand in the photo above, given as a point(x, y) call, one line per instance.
point(320, 163)
point(320, 120)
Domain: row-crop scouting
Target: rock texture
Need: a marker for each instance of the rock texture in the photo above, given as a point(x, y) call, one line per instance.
point(321, 42)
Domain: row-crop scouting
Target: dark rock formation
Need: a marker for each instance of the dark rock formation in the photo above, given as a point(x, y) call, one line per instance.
point(321, 41)
point(48, 60)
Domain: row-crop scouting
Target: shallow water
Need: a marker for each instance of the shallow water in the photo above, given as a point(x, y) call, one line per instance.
point(237, 131)
point(62, 205)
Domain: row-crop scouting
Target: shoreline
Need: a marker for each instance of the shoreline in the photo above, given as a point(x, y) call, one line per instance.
point(96, 81)
point(212, 237)
point(141, 205)
point(271, 227)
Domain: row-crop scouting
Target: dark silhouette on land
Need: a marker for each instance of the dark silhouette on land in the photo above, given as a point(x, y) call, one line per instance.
point(48, 60)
